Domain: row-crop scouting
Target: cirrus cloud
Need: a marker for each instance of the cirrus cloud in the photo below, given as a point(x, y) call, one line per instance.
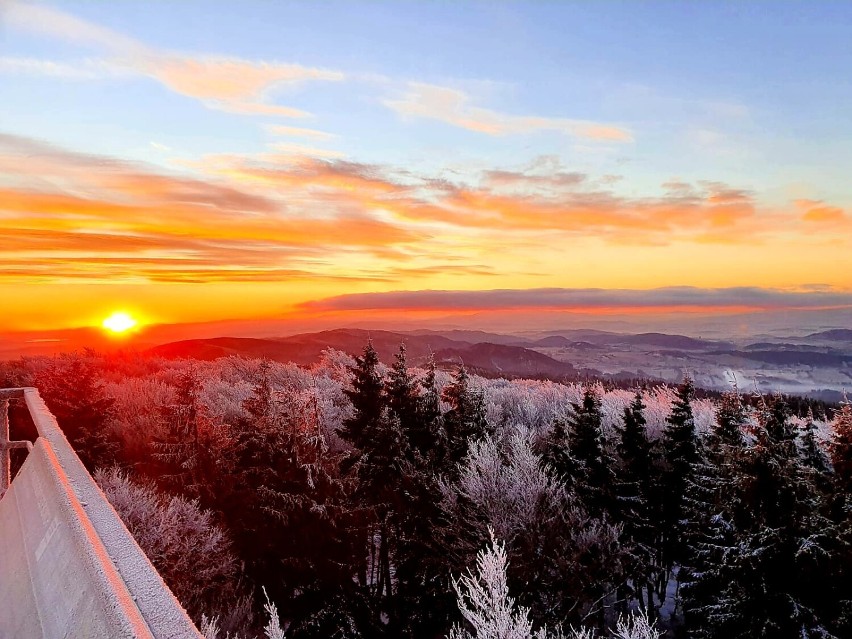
point(226, 83)
point(455, 107)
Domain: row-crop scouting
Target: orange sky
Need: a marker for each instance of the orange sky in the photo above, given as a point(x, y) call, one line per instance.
point(252, 208)
point(85, 234)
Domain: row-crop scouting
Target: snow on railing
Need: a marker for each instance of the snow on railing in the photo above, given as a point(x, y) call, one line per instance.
point(65, 555)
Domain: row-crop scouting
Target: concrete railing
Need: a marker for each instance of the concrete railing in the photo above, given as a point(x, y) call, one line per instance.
point(68, 565)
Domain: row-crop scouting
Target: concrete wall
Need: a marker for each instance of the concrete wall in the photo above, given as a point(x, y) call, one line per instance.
point(68, 566)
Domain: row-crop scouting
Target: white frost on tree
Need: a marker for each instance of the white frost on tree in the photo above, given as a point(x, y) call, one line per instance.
point(485, 603)
point(506, 484)
point(273, 628)
point(191, 552)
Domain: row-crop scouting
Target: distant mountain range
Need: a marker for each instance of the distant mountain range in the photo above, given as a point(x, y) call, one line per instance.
point(486, 357)
point(837, 335)
point(817, 362)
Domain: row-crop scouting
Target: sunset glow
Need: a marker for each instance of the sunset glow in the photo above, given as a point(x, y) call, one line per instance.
point(232, 173)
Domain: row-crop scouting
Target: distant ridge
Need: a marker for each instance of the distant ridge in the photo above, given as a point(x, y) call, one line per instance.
point(508, 360)
point(307, 348)
point(836, 334)
point(604, 338)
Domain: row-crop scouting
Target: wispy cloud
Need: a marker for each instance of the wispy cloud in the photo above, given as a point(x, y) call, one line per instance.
point(509, 205)
point(300, 209)
point(231, 84)
point(86, 69)
point(73, 214)
point(456, 108)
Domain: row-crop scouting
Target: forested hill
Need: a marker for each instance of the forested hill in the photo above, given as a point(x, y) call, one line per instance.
point(355, 493)
point(305, 349)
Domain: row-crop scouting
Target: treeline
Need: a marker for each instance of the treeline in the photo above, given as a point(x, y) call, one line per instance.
point(355, 493)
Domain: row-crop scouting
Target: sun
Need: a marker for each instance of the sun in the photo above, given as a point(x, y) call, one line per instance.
point(119, 322)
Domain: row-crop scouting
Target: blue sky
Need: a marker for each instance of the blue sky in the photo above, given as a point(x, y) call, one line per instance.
point(738, 111)
point(752, 89)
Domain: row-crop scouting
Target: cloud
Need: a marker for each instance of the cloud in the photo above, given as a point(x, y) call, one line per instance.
point(73, 214)
point(454, 107)
point(229, 79)
point(553, 203)
point(516, 206)
point(523, 179)
point(816, 212)
point(230, 84)
point(39, 18)
point(277, 211)
point(740, 298)
point(81, 70)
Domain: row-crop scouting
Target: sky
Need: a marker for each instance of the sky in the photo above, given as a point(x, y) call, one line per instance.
point(205, 161)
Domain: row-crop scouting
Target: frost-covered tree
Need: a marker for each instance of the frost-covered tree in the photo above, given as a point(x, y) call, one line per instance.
point(812, 453)
point(485, 604)
point(490, 612)
point(730, 419)
point(574, 559)
point(841, 447)
point(191, 552)
point(74, 392)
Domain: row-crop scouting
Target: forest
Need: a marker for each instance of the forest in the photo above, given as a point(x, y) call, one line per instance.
point(355, 498)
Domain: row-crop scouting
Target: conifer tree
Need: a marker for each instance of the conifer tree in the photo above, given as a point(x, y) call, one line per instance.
point(681, 455)
point(379, 461)
point(634, 495)
point(430, 439)
point(841, 448)
point(769, 568)
point(707, 528)
point(186, 450)
point(812, 453)
point(709, 503)
point(422, 601)
point(465, 420)
point(402, 395)
point(290, 514)
point(595, 477)
point(368, 404)
point(557, 453)
point(730, 419)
